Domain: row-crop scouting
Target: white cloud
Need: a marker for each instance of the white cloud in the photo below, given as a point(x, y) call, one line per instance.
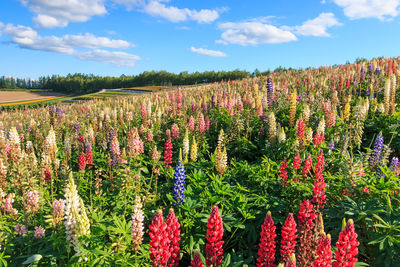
point(317, 26)
point(26, 37)
point(207, 52)
point(381, 9)
point(58, 13)
point(253, 33)
point(156, 8)
point(118, 58)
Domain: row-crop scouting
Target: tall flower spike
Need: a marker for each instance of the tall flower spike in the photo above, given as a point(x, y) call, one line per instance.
point(283, 172)
point(306, 217)
point(266, 252)
point(376, 154)
point(270, 92)
point(347, 246)
point(179, 183)
point(159, 241)
point(214, 243)
point(193, 150)
point(323, 252)
point(292, 111)
point(288, 241)
point(174, 232)
point(137, 224)
point(168, 151)
point(185, 146)
point(307, 166)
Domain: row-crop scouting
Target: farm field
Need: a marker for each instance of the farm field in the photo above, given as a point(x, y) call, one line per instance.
point(299, 168)
point(9, 97)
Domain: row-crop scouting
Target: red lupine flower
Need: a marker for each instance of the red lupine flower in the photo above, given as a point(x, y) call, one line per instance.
point(318, 139)
point(196, 262)
point(82, 162)
point(366, 190)
point(47, 174)
point(288, 241)
point(324, 252)
point(266, 252)
point(174, 232)
point(207, 122)
point(81, 139)
point(306, 219)
point(347, 246)
point(319, 194)
point(319, 167)
point(168, 152)
point(297, 161)
point(89, 156)
point(214, 239)
point(159, 244)
point(300, 131)
point(307, 166)
point(283, 172)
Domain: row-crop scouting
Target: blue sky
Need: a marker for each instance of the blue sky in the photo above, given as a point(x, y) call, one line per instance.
point(115, 37)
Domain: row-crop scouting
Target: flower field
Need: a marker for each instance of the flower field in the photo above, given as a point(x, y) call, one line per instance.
point(299, 168)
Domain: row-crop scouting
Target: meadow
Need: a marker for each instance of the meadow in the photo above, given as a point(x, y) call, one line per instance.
point(297, 168)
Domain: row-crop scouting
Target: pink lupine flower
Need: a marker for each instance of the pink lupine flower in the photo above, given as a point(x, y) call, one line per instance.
point(39, 232)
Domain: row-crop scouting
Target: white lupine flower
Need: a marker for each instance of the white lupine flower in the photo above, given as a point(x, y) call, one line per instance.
point(137, 224)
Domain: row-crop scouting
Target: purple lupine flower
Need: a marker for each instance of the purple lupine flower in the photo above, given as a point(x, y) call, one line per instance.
point(270, 91)
point(362, 74)
point(331, 145)
point(376, 154)
point(77, 127)
point(58, 112)
point(370, 68)
point(179, 182)
point(394, 163)
point(224, 94)
point(213, 101)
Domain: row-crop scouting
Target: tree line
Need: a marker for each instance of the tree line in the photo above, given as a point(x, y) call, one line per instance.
point(86, 83)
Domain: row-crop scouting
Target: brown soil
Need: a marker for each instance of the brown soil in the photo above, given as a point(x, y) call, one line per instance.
point(12, 96)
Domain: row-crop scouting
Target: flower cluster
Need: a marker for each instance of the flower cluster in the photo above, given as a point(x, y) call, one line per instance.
point(266, 252)
point(214, 243)
point(137, 224)
point(179, 183)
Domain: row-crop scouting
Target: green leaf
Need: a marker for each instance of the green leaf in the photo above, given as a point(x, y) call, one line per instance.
point(32, 259)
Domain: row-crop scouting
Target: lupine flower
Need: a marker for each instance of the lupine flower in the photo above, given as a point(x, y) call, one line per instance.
point(76, 221)
point(47, 174)
point(297, 161)
point(191, 123)
point(281, 134)
point(58, 211)
point(201, 123)
point(270, 92)
point(82, 162)
point(51, 145)
point(394, 165)
point(77, 127)
point(137, 224)
point(39, 232)
point(8, 204)
point(306, 219)
point(143, 111)
point(324, 252)
point(288, 241)
point(193, 150)
point(150, 136)
point(89, 154)
point(20, 229)
point(159, 244)
point(283, 172)
point(347, 246)
point(175, 131)
point(114, 147)
point(292, 111)
point(134, 143)
point(214, 238)
point(365, 190)
point(196, 262)
point(272, 127)
point(32, 202)
point(319, 167)
point(300, 131)
point(376, 154)
point(266, 252)
point(154, 154)
point(168, 152)
point(174, 232)
point(129, 116)
point(307, 166)
point(179, 183)
point(185, 146)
